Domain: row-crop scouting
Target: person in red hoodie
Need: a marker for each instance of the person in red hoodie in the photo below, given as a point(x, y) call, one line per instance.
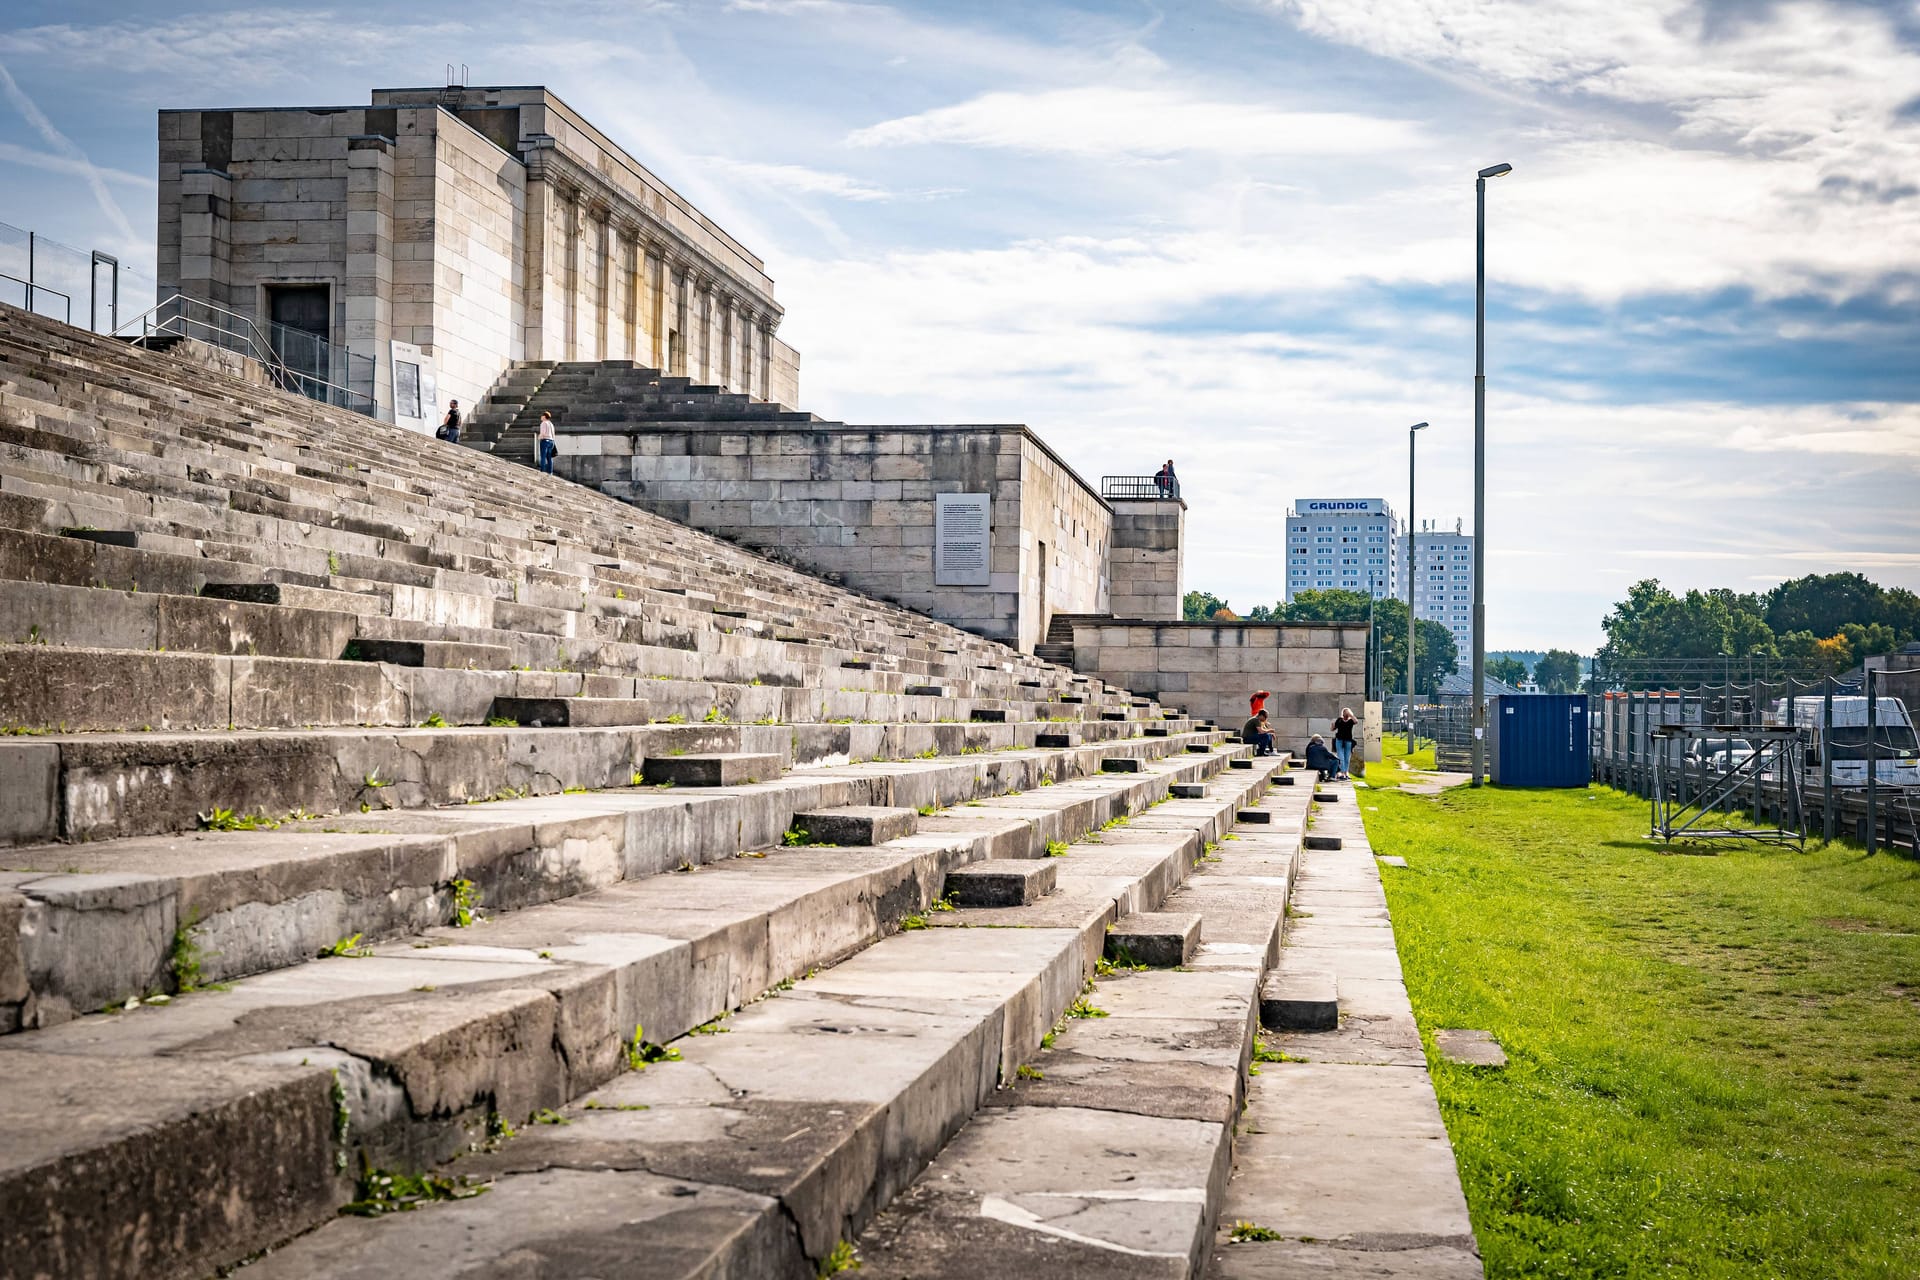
point(1257, 703)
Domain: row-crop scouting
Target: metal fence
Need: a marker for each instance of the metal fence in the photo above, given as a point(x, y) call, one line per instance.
point(1851, 766)
point(85, 288)
point(294, 359)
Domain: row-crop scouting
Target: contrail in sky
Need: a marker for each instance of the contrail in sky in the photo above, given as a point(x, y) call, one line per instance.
point(65, 146)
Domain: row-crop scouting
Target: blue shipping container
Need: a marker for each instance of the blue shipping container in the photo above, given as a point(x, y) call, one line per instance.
point(1538, 740)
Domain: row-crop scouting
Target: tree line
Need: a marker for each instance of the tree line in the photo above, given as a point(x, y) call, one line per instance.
point(1819, 625)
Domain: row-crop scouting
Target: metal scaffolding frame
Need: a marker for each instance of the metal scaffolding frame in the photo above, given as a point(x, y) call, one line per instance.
point(1765, 783)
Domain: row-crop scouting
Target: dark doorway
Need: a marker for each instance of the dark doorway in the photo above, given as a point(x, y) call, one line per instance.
point(300, 322)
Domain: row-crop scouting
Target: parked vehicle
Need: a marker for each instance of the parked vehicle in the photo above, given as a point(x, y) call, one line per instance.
point(1896, 747)
point(1720, 755)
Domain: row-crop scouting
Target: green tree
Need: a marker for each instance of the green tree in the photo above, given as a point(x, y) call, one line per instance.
point(1332, 604)
point(1199, 606)
point(1654, 636)
point(1868, 639)
point(1511, 670)
point(1558, 671)
point(1436, 651)
point(1822, 603)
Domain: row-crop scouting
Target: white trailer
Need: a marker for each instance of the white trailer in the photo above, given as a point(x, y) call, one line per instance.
point(1896, 750)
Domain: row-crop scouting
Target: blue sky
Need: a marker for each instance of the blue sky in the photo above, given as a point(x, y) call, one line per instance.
point(1237, 233)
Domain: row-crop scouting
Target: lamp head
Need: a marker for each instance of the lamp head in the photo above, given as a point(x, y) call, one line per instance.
point(1497, 171)
point(1418, 426)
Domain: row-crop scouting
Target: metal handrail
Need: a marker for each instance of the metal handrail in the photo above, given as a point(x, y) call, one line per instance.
point(1149, 487)
point(33, 288)
point(260, 348)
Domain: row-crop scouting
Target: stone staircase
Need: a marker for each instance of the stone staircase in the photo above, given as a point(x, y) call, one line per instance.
point(578, 393)
point(1058, 646)
point(386, 826)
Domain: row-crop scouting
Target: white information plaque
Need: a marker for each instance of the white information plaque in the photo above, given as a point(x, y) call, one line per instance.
point(962, 539)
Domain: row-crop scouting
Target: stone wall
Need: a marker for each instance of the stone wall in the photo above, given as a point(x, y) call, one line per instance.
point(857, 503)
point(1208, 669)
point(1074, 526)
point(1146, 563)
point(477, 285)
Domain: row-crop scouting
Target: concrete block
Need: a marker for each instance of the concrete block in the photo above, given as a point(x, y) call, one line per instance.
point(29, 793)
point(1326, 797)
point(1162, 939)
point(1392, 860)
point(1001, 882)
point(1254, 817)
point(1469, 1048)
point(1322, 842)
point(1189, 790)
point(856, 824)
point(1297, 999)
point(720, 769)
point(1120, 764)
point(577, 713)
point(1054, 741)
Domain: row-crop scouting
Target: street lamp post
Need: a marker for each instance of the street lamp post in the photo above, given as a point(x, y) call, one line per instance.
point(1413, 561)
point(1480, 467)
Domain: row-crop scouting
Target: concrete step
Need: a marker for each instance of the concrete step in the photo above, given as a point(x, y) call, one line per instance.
point(1300, 999)
point(855, 825)
point(1000, 883)
point(575, 712)
point(516, 1013)
point(717, 769)
point(1109, 1156)
point(1155, 938)
point(94, 925)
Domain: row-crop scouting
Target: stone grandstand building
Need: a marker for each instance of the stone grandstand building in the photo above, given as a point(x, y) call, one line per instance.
point(446, 233)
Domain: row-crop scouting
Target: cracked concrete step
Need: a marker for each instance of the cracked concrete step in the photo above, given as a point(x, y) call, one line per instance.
point(855, 824)
point(1110, 1156)
point(809, 1112)
point(1300, 999)
point(516, 1013)
point(98, 786)
point(775, 1107)
point(87, 926)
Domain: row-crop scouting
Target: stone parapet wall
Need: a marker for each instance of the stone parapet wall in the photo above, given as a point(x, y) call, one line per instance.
point(1208, 669)
point(858, 503)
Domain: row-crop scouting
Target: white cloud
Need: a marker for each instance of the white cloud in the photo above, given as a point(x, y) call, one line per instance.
point(1110, 121)
point(12, 153)
point(800, 180)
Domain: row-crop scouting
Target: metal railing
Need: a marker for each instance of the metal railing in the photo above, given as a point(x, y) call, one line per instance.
point(1160, 487)
point(30, 294)
point(311, 372)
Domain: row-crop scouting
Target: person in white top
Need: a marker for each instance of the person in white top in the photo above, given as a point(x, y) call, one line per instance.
point(547, 446)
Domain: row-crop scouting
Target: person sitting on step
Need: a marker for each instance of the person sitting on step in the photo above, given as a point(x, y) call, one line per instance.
point(1257, 735)
point(1321, 760)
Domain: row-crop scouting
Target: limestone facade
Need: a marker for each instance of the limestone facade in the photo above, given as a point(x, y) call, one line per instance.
point(858, 503)
point(1147, 556)
point(483, 225)
point(1209, 669)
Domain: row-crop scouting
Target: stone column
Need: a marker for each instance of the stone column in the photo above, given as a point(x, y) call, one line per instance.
point(603, 302)
point(576, 273)
point(206, 242)
point(729, 310)
point(632, 266)
point(369, 280)
point(765, 360)
point(542, 259)
point(682, 317)
point(703, 329)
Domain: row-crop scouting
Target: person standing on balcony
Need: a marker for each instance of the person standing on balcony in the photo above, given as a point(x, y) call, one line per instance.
point(1165, 481)
point(450, 425)
point(547, 445)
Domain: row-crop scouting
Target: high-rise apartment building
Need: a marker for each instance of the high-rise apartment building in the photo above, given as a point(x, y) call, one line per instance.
point(1443, 582)
point(1357, 544)
point(1350, 543)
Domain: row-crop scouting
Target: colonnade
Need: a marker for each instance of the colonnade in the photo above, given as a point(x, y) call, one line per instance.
point(630, 294)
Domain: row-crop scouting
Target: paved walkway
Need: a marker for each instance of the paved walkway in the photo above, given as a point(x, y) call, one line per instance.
point(1342, 1152)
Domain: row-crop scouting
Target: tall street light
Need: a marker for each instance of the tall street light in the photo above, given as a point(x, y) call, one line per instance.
point(1413, 562)
point(1480, 468)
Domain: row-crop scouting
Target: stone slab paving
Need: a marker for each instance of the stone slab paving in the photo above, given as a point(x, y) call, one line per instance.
point(1342, 1149)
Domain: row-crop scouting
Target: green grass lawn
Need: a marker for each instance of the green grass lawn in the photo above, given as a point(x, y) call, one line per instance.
point(1715, 1060)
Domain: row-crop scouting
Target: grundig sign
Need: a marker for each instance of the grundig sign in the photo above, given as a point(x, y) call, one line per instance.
point(1345, 504)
